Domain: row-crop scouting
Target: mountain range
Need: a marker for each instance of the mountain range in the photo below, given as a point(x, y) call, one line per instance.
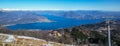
point(19, 17)
point(83, 14)
point(8, 17)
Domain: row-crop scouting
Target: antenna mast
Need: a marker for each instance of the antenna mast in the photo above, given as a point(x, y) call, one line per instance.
point(109, 33)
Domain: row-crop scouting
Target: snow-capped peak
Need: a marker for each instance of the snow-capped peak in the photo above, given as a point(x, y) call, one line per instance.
point(7, 9)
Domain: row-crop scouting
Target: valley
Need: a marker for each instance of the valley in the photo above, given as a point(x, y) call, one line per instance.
point(52, 20)
point(79, 35)
point(61, 27)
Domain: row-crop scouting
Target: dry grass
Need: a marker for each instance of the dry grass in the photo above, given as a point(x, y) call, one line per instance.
point(27, 42)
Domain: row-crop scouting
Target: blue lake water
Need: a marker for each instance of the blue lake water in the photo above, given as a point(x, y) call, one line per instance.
point(60, 22)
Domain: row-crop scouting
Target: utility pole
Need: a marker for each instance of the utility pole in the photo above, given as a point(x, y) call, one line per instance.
point(109, 33)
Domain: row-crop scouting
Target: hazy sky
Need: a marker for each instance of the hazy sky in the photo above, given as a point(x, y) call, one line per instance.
point(107, 5)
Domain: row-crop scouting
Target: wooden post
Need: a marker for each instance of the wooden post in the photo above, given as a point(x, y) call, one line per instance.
point(15, 41)
point(23, 42)
point(3, 44)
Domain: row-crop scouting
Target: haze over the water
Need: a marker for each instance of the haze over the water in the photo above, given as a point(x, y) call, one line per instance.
point(106, 5)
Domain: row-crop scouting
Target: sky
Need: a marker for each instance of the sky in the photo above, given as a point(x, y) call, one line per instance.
point(106, 5)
